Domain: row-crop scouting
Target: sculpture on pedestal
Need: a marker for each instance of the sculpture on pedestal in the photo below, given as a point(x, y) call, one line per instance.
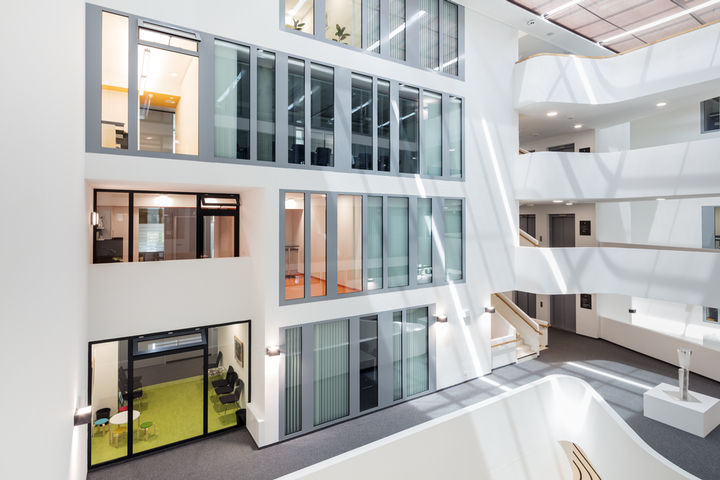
point(684, 355)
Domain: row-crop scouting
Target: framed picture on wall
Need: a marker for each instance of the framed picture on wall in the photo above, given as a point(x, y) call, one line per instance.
point(586, 301)
point(584, 227)
point(240, 352)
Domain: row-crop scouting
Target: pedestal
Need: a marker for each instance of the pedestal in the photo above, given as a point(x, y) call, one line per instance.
point(699, 415)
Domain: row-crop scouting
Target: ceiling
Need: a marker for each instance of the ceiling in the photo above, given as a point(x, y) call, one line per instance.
point(601, 20)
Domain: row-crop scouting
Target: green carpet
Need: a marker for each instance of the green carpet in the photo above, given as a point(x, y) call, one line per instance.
point(175, 408)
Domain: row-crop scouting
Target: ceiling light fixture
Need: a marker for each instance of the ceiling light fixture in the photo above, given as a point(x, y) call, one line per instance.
point(558, 201)
point(579, 125)
point(560, 8)
point(569, 204)
point(659, 199)
point(661, 104)
point(552, 114)
point(661, 21)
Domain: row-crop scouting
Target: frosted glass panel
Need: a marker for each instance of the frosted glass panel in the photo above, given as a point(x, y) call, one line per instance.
point(454, 129)
point(375, 243)
point(432, 133)
point(331, 371)
point(424, 241)
point(450, 38)
point(397, 242)
point(397, 339)
point(453, 239)
point(416, 332)
point(293, 380)
point(397, 29)
point(429, 34)
point(349, 243)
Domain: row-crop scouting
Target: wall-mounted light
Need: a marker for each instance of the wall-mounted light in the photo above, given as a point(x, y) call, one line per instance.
point(632, 310)
point(490, 309)
point(94, 219)
point(83, 415)
point(441, 318)
point(272, 351)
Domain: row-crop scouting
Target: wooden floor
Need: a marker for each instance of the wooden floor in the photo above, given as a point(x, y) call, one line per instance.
point(295, 287)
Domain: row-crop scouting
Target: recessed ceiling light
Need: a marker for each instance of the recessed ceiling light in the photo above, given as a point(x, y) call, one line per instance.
point(659, 199)
point(148, 138)
point(558, 201)
point(579, 125)
point(569, 204)
point(173, 74)
point(552, 114)
point(661, 104)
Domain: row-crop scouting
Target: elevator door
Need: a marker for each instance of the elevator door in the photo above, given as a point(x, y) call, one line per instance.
point(562, 230)
point(562, 312)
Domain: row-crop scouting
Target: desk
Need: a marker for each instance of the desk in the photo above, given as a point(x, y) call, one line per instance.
point(122, 417)
point(699, 415)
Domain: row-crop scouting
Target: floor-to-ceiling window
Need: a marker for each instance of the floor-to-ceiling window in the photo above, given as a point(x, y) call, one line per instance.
point(293, 380)
point(416, 335)
point(294, 245)
point(362, 120)
point(374, 242)
point(455, 135)
point(409, 145)
point(397, 249)
point(432, 133)
point(296, 111)
point(318, 244)
point(322, 111)
point(453, 241)
point(232, 100)
point(344, 21)
point(451, 38)
point(349, 243)
point(331, 371)
point(429, 34)
point(424, 230)
point(299, 15)
point(114, 77)
point(228, 353)
point(371, 36)
point(397, 29)
point(265, 106)
point(368, 350)
point(383, 125)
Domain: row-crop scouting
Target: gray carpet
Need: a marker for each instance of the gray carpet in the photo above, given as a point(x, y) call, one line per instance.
point(233, 455)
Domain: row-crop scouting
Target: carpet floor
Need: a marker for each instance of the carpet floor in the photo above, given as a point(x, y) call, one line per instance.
point(602, 364)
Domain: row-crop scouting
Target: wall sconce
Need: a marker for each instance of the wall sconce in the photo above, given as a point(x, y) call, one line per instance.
point(441, 318)
point(490, 309)
point(632, 310)
point(94, 219)
point(83, 415)
point(272, 351)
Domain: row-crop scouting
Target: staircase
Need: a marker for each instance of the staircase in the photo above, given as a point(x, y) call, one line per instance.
point(531, 333)
point(524, 351)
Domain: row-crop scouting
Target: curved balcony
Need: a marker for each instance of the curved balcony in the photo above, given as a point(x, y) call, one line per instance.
point(683, 276)
point(689, 168)
point(682, 62)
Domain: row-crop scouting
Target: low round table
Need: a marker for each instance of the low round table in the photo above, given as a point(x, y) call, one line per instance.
point(122, 417)
point(216, 372)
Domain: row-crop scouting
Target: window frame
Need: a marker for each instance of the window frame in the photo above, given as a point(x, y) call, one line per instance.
point(439, 276)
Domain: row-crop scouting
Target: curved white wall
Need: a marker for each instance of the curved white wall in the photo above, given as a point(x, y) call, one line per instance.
point(676, 276)
point(690, 168)
point(684, 61)
point(514, 435)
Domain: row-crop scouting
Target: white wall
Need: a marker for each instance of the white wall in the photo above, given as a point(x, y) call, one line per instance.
point(582, 211)
point(43, 251)
point(679, 123)
point(581, 139)
point(670, 222)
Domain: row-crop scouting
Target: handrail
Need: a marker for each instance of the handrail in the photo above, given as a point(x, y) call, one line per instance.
point(524, 316)
point(656, 247)
point(529, 237)
point(621, 53)
point(523, 151)
point(504, 343)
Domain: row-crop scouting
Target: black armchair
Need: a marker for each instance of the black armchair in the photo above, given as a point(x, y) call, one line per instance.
point(226, 380)
point(217, 362)
point(102, 413)
point(227, 400)
point(225, 389)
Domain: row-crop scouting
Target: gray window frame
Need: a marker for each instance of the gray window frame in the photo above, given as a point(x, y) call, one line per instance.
point(703, 118)
point(385, 367)
point(206, 115)
point(331, 245)
point(412, 34)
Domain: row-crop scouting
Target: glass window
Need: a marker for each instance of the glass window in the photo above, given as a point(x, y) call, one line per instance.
point(218, 236)
point(293, 380)
point(711, 115)
point(296, 111)
point(114, 102)
point(372, 36)
point(232, 100)
point(397, 338)
point(294, 245)
point(711, 314)
point(383, 125)
point(408, 129)
point(344, 21)
point(375, 243)
point(349, 243)
point(265, 106)
point(112, 231)
point(432, 133)
point(167, 101)
point(416, 332)
point(331, 371)
point(397, 249)
point(299, 15)
point(368, 362)
point(318, 245)
point(108, 382)
point(429, 34)
point(166, 227)
point(450, 38)
point(424, 240)
point(453, 241)
point(362, 117)
point(454, 129)
point(397, 29)
point(171, 383)
point(170, 37)
point(228, 346)
point(322, 112)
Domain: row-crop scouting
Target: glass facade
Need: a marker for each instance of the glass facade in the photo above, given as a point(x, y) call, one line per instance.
point(397, 342)
point(424, 240)
point(331, 368)
point(397, 247)
point(114, 77)
point(453, 241)
point(362, 120)
point(371, 41)
point(318, 245)
point(296, 111)
point(349, 243)
point(429, 34)
point(409, 145)
point(432, 133)
point(293, 380)
point(396, 21)
point(374, 243)
point(455, 135)
point(265, 106)
point(322, 111)
point(416, 334)
point(383, 125)
point(451, 38)
point(368, 346)
point(294, 245)
point(232, 100)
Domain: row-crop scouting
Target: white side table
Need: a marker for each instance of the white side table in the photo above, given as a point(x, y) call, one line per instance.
point(699, 415)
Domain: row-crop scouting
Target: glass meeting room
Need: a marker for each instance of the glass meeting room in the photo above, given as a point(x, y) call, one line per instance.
point(151, 391)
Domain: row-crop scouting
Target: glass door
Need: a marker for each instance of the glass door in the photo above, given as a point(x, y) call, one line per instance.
point(217, 226)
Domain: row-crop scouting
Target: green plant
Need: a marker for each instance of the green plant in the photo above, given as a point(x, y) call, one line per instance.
point(340, 33)
point(297, 24)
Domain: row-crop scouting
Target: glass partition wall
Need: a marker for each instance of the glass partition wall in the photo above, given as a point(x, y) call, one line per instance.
point(151, 391)
point(135, 226)
point(349, 366)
